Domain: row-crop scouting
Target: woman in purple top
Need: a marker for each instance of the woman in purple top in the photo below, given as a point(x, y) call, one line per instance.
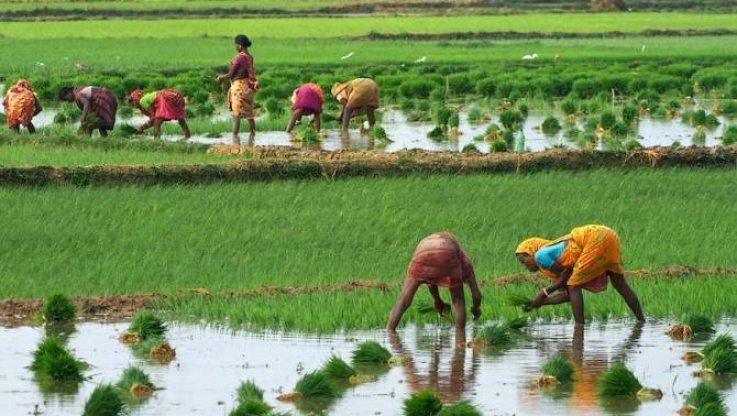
point(307, 100)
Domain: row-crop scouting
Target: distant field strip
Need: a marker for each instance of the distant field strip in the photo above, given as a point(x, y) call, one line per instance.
point(330, 27)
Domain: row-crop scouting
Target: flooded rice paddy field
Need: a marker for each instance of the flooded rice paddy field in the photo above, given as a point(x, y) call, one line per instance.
point(407, 135)
point(212, 362)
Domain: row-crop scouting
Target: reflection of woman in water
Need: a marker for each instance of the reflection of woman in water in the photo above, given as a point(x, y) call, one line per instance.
point(450, 385)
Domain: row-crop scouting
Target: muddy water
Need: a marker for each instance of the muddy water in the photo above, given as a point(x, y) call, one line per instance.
point(211, 362)
point(413, 135)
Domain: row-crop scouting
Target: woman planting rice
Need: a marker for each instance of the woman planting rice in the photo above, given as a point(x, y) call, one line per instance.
point(584, 259)
point(160, 106)
point(243, 87)
point(21, 105)
point(439, 261)
point(307, 100)
point(98, 107)
point(358, 96)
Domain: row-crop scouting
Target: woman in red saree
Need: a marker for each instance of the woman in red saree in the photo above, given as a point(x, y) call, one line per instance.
point(161, 106)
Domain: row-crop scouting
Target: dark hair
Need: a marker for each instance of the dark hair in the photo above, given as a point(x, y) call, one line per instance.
point(243, 41)
point(64, 91)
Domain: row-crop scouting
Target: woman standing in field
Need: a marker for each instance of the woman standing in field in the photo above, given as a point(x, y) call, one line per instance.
point(357, 97)
point(243, 87)
point(98, 106)
point(307, 100)
point(161, 106)
point(439, 261)
point(584, 259)
point(21, 105)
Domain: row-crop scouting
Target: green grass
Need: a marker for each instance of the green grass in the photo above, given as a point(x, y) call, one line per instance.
point(94, 241)
point(330, 27)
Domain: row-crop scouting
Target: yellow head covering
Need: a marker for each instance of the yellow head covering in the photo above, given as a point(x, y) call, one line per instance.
point(531, 246)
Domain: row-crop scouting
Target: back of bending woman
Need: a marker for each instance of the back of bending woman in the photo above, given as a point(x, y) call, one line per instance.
point(439, 261)
point(587, 258)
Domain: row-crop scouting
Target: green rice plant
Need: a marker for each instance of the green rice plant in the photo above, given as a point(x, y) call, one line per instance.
point(436, 133)
point(607, 120)
point(147, 326)
point(560, 368)
point(711, 121)
point(251, 408)
point(424, 403)
point(572, 133)
point(728, 108)
point(104, 401)
point(617, 380)
point(54, 363)
point(470, 148)
point(494, 336)
point(499, 146)
point(511, 119)
point(630, 114)
point(247, 391)
point(711, 409)
point(620, 129)
point(524, 110)
point(551, 125)
point(462, 408)
point(316, 385)
point(721, 342)
point(371, 352)
point(729, 137)
point(632, 145)
point(442, 116)
point(337, 370)
point(378, 132)
point(699, 324)
point(569, 106)
point(454, 121)
point(517, 323)
point(518, 299)
point(720, 362)
point(306, 134)
point(135, 382)
point(475, 115)
point(703, 394)
point(58, 308)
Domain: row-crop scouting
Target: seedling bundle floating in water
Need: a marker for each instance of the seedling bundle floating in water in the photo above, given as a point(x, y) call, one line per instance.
point(618, 381)
point(250, 401)
point(135, 383)
point(52, 362)
point(104, 401)
point(705, 400)
point(144, 326)
point(58, 308)
point(492, 336)
point(556, 370)
point(424, 403)
point(722, 342)
point(691, 325)
point(371, 352)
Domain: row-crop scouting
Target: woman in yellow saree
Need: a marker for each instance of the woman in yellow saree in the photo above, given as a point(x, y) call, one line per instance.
point(357, 96)
point(587, 258)
point(243, 87)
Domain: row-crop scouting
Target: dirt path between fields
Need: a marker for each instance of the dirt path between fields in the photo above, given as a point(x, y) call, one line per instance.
point(116, 308)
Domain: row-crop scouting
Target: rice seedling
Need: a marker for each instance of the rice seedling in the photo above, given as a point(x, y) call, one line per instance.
point(52, 362)
point(551, 126)
point(470, 148)
point(315, 385)
point(251, 408)
point(511, 119)
point(144, 326)
point(162, 353)
point(719, 362)
point(691, 325)
point(371, 352)
point(711, 409)
point(379, 133)
point(493, 336)
point(729, 137)
point(721, 342)
point(136, 383)
point(305, 134)
point(701, 396)
point(424, 403)
point(104, 401)
point(338, 370)
point(619, 381)
point(632, 145)
point(517, 299)
point(607, 120)
point(58, 308)
point(248, 390)
point(462, 408)
point(436, 133)
point(517, 323)
point(499, 146)
point(556, 370)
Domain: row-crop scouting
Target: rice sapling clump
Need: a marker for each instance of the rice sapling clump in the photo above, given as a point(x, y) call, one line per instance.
point(492, 336)
point(424, 403)
point(162, 353)
point(556, 370)
point(462, 408)
point(135, 382)
point(517, 323)
point(551, 126)
point(711, 409)
point(315, 385)
point(251, 408)
point(305, 134)
point(691, 325)
point(53, 362)
point(701, 396)
point(338, 370)
point(104, 401)
point(144, 326)
point(379, 133)
point(442, 117)
point(371, 352)
point(517, 299)
point(248, 390)
point(499, 146)
point(729, 137)
point(723, 341)
point(58, 308)
point(511, 119)
point(454, 123)
point(719, 362)
point(470, 148)
point(619, 381)
point(607, 120)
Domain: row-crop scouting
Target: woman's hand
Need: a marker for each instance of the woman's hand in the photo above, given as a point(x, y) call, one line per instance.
point(539, 299)
point(221, 78)
point(476, 311)
point(441, 307)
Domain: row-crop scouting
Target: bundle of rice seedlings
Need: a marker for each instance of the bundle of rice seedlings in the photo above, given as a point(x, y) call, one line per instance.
point(424, 403)
point(724, 341)
point(104, 401)
point(58, 308)
point(144, 326)
point(517, 323)
point(251, 408)
point(701, 396)
point(691, 325)
point(162, 353)
point(338, 370)
point(711, 409)
point(496, 336)
point(719, 362)
point(248, 390)
point(136, 382)
point(462, 408)
point(371, 352)
point(516, 299)
point(378, 132)
point(556, 370)
point(315, 385)
point(52, 361)
point(619, 381)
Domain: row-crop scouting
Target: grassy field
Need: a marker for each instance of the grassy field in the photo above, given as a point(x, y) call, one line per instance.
point(331, 27)
point(172, 4)
point(92, 241)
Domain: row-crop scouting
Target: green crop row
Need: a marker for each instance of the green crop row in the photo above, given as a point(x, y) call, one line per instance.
point(114, 240)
